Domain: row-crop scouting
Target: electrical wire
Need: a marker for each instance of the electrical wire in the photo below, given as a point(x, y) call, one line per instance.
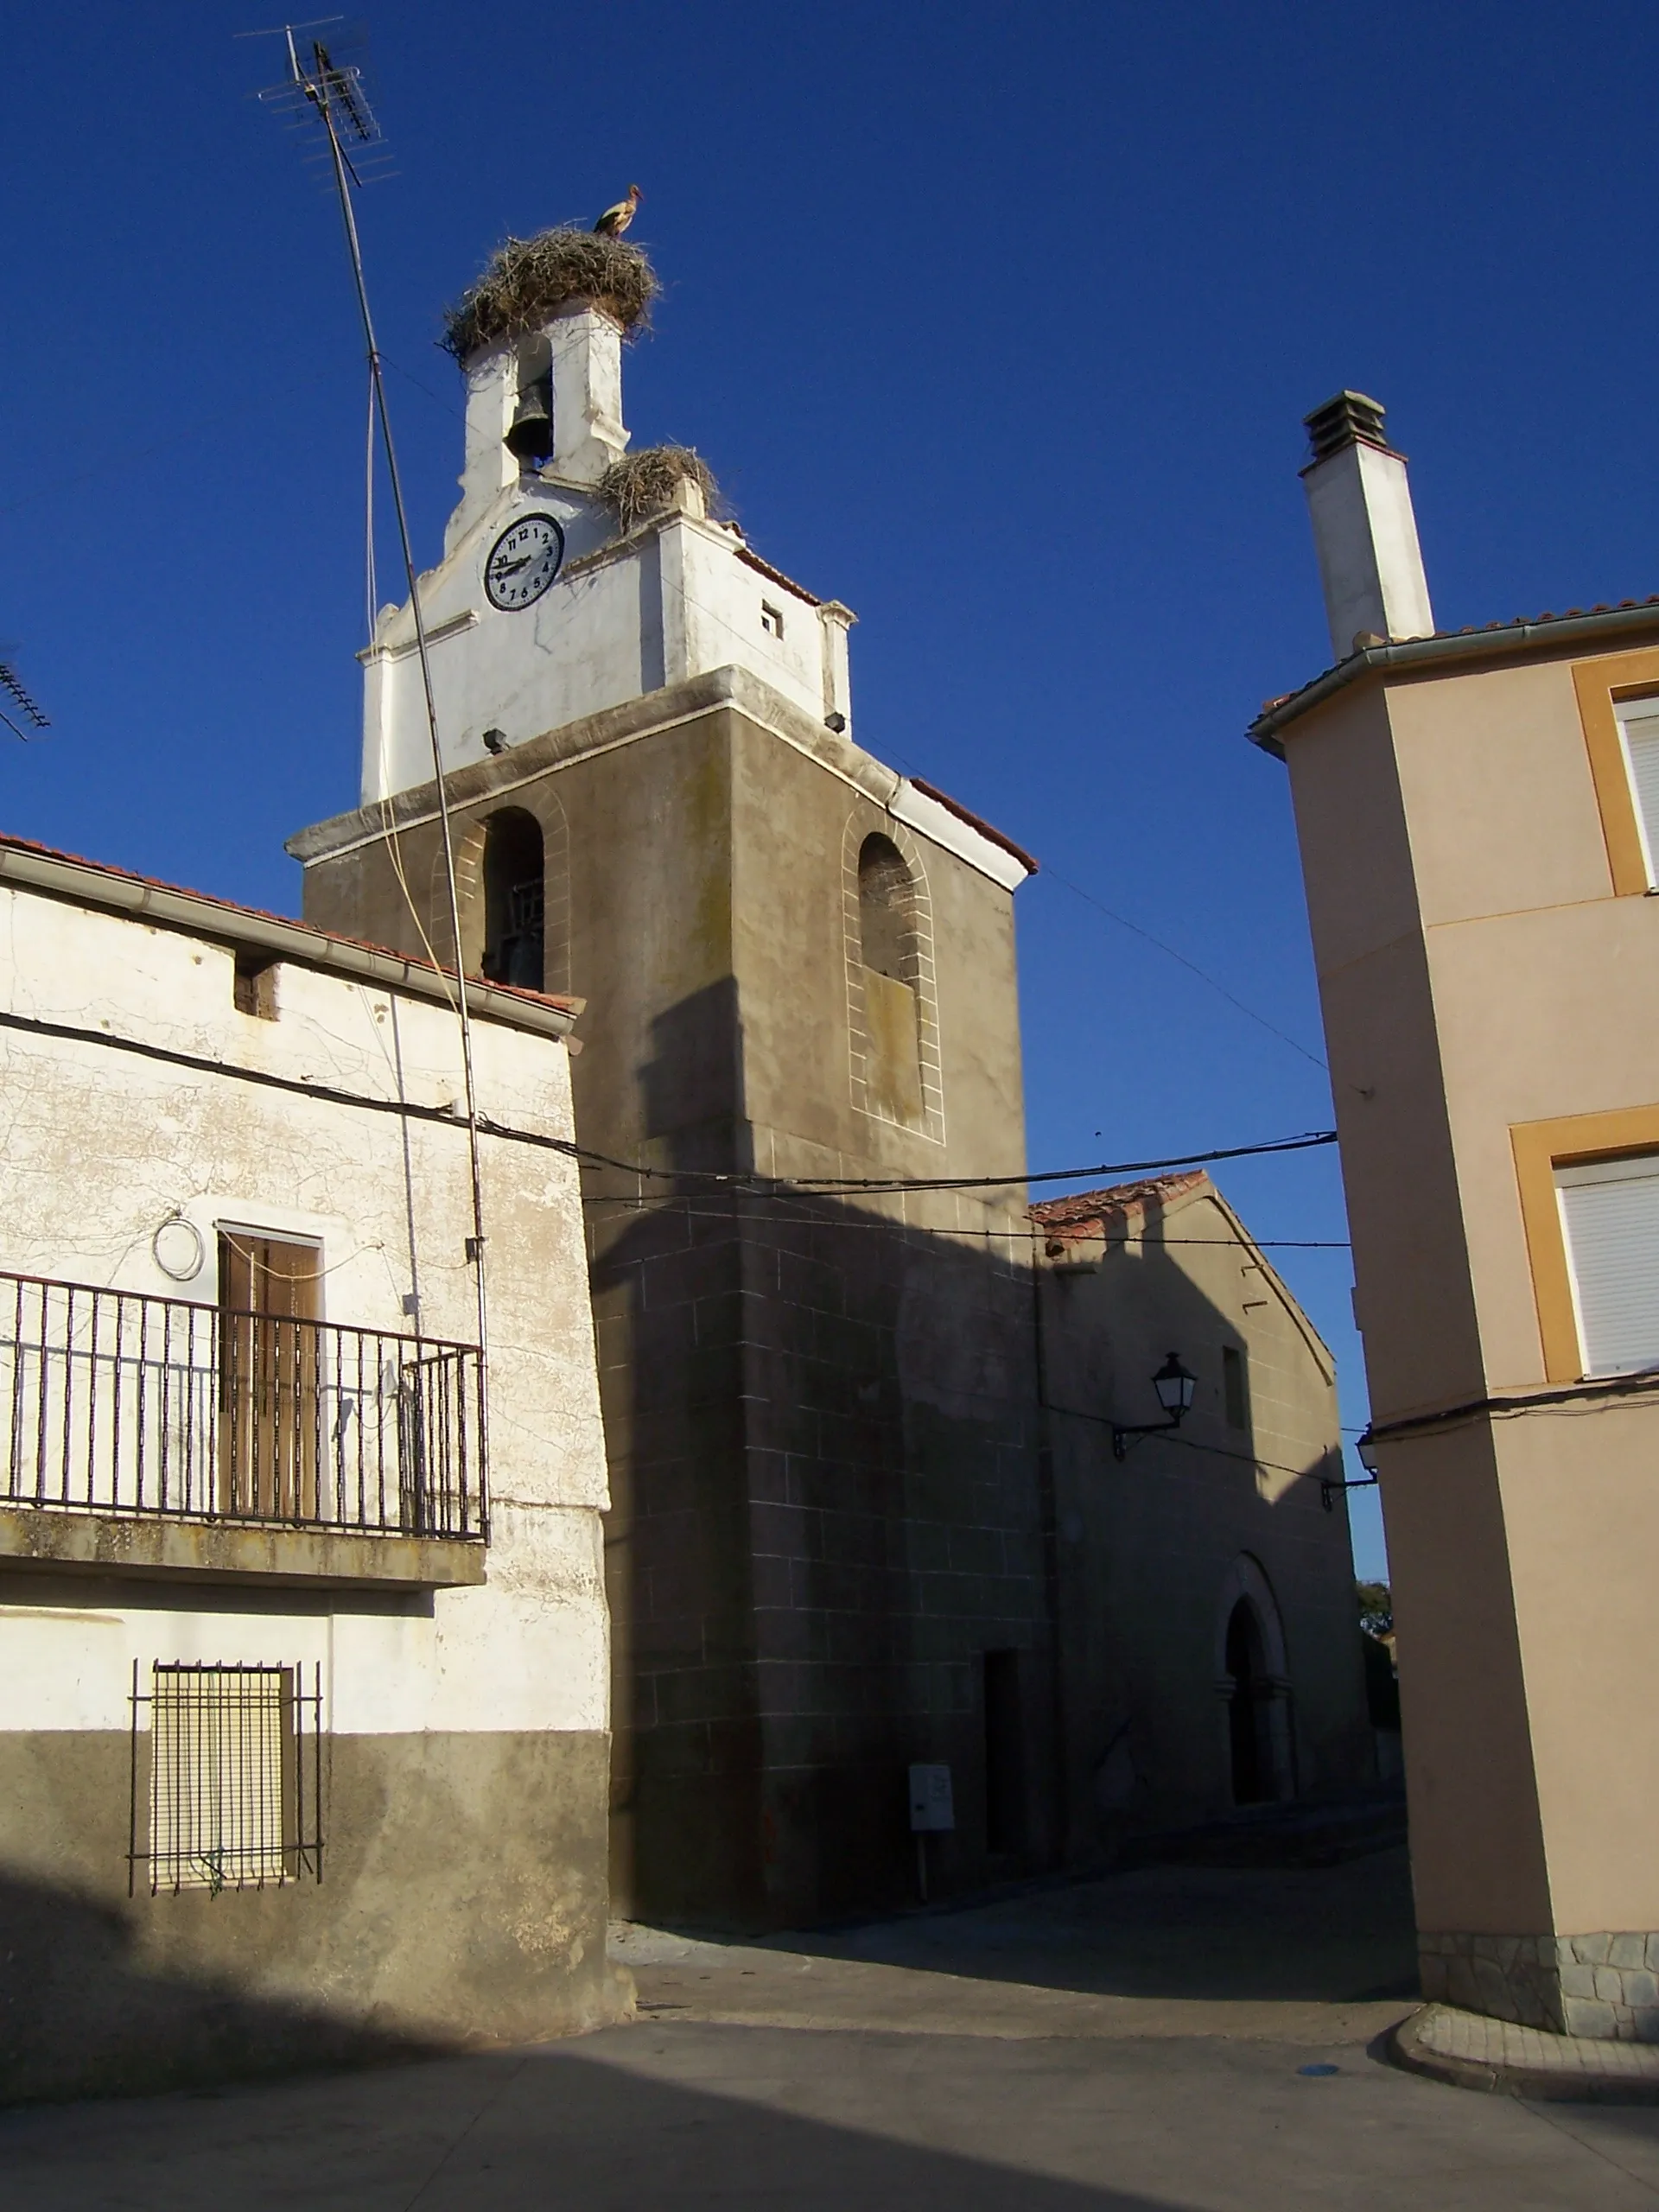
point(746, 1183)
point(1191, 966)
point(1211, 1451)
point(1571, 1397)
point(708, 614)
point(871, 1186)
point(1022, 1234)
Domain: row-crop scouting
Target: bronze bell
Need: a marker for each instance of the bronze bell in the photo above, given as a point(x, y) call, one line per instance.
point(530, 436)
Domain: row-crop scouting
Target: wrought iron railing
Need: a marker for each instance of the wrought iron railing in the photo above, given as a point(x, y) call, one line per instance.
point(115, 1401)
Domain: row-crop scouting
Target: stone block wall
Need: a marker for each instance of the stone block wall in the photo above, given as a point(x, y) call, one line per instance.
point(1604, 1986)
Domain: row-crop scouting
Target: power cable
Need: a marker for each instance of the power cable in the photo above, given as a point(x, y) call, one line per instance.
point(1112, 915)
point(1191, 966)
point(746, 1180)
point(688, 1205)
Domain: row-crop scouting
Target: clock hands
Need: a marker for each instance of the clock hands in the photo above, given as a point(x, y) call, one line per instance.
point(513, 579)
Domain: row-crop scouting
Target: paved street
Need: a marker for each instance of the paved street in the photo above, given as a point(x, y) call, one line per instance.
point(1131, 2045)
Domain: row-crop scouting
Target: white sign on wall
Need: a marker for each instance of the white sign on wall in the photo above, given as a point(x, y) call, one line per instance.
point(930, 1808)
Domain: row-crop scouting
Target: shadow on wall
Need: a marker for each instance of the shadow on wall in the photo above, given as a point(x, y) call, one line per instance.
point(822, 1426)
point(70, 1983)
point(834, 1548)
point(1214, 1653)
point(827, 1558)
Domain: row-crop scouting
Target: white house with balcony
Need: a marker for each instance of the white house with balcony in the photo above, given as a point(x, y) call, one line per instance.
point(303, 1627)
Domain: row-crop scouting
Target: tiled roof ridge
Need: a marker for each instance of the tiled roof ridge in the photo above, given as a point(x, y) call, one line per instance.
point(974, 822)
point(1078, 1208)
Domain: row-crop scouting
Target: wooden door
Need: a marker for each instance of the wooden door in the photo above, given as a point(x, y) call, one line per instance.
point(269, 1372)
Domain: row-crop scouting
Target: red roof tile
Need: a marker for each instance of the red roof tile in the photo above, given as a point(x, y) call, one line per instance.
point(1082, 1211)
point(955, 806)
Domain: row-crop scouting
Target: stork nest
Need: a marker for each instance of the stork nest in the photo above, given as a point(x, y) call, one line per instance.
point(644, 483)
point(527, 281)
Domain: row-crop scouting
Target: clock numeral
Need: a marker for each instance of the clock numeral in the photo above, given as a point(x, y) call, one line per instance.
point(524, 561)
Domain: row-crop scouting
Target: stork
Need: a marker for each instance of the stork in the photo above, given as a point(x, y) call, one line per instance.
point(615, 220)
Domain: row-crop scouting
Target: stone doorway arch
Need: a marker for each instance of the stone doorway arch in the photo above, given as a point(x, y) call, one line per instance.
point(1253, 1682)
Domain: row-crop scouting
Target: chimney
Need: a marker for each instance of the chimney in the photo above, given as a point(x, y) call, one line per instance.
point(1365, 532)
point(587, 432)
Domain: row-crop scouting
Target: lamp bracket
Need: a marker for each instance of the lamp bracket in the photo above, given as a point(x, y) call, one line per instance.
point(1125, 1438)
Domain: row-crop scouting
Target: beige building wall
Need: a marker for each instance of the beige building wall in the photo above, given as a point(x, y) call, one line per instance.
point(1158, 1549)
point(1487, 963)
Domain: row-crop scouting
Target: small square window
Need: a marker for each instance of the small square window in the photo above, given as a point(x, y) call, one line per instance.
point(771, 619)
point(254, 990)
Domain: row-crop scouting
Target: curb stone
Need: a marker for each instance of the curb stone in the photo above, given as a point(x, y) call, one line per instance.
point(1469, 2052)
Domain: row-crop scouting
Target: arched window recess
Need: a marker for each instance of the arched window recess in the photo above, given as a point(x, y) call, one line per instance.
point(514, 876)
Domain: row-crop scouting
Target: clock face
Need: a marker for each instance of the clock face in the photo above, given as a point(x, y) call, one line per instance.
point(523, 562)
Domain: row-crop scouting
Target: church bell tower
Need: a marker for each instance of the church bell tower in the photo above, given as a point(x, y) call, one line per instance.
point(819, 1396)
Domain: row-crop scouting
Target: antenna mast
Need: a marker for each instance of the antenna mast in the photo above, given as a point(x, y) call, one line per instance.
point(13, 685)
point(322, 89)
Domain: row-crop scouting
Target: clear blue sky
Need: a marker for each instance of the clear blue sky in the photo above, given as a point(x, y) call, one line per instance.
point(996, 322)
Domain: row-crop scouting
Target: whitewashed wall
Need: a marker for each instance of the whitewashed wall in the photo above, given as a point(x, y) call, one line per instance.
point(624, 618)
point(103, 1146)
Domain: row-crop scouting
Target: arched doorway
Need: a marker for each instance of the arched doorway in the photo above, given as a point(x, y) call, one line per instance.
point(1252, 1678)
point(1247, 1708)
point(514, 900)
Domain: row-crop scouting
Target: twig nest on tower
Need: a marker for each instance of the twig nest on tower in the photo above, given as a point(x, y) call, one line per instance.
point(644, 483)
point(527, 281)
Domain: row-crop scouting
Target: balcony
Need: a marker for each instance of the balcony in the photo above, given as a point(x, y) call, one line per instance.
point(151, 1435)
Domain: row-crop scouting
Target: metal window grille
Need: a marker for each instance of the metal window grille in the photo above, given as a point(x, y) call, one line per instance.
point(230, 1795)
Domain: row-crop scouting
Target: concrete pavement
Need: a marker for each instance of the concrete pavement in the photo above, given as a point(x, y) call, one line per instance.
point(1135, 2045)
point(1298, 1954)
point(695, 2115)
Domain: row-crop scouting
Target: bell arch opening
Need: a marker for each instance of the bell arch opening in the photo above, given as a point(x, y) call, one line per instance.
point(515, 901)
point(887, 959)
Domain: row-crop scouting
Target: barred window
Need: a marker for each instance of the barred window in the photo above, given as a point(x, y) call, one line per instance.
point(233, 1776)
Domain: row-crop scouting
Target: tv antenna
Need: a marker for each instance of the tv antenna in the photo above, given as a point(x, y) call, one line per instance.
point(12, 686)
point(324, 96)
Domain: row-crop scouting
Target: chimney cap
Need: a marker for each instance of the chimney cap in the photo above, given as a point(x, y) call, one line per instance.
point(1349, 419)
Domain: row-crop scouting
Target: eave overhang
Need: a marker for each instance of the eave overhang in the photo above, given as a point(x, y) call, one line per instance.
point(1548, 635)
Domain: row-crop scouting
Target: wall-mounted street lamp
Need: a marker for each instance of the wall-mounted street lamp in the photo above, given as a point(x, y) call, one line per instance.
point(1174, 1387)
point(1365, 1453)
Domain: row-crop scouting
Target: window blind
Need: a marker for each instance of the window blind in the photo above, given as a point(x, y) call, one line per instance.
point(1610, 1214)
point(216, 1793)
point(1639, 720)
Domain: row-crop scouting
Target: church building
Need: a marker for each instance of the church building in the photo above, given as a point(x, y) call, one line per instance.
point(832, 1546)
